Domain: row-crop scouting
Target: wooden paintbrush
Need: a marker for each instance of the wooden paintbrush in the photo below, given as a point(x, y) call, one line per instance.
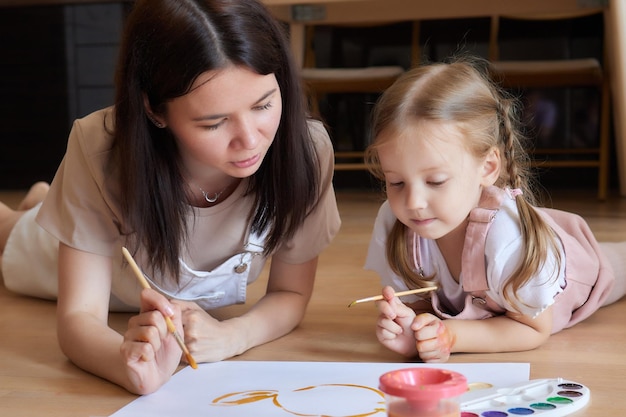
point(168, 321)
point(398, 294)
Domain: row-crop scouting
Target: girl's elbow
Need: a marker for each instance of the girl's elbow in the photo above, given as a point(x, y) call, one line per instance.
point(544, 335)
point(544, 328)
point(540, 337)
point(538, 341)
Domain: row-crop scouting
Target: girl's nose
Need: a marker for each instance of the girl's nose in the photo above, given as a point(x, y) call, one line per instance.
point(415, 198)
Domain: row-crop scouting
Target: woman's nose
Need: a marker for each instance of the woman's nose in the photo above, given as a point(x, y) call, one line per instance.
point(247, 135)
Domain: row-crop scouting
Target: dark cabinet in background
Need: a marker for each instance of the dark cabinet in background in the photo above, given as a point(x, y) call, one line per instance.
point(56, 64)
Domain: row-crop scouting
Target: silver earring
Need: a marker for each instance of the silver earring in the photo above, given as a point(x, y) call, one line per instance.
point(155, 121)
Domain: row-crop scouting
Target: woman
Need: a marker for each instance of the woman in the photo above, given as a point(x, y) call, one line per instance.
point(205, 167)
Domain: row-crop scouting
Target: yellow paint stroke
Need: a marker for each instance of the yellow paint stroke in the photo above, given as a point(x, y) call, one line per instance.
point(247, 397)
point(343, 385)
point(478, 385)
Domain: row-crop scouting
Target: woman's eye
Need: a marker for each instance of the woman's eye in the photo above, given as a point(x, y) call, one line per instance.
point(265, 106)
point(212, 127)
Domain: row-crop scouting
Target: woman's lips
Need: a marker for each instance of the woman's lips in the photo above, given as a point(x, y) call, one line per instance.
point(247, 162)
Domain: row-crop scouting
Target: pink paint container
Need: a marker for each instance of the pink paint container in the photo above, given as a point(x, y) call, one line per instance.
point(422, 392)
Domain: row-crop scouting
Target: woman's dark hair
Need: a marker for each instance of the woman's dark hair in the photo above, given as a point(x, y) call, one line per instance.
point(166, 45)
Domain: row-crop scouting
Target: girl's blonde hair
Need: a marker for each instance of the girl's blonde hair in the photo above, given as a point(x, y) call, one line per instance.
point(462, 93)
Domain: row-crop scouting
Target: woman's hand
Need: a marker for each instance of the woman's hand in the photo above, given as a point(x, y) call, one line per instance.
point(394, 324)
point(208, 339)
point(141, 360)
point(434, 341)
point(150, 352)
point(281, 309)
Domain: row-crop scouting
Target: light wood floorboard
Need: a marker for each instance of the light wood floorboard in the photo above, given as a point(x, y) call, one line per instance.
point(36, 379)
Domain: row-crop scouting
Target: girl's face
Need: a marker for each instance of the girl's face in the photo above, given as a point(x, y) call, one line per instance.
point(432, 179)
point(227, 122)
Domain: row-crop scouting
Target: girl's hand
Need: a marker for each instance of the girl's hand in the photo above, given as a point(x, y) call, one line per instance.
point(394, 324)
point(150, 352)
point(434, 340)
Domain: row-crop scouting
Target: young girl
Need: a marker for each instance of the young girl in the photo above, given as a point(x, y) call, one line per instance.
point(205, 167)
point(459, 215)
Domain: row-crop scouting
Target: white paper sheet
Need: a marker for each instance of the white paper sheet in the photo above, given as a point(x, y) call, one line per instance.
point(287, 389)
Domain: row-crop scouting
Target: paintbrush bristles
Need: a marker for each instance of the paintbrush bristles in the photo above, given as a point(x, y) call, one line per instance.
point(398, 294)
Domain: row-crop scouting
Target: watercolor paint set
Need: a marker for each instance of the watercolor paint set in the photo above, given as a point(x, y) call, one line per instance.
point(539, 398)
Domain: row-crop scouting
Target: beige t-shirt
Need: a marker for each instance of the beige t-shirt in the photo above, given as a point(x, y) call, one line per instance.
point(83, 211)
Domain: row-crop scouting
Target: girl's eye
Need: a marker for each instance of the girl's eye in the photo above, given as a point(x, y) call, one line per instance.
point(436, 183)
point(395, 184)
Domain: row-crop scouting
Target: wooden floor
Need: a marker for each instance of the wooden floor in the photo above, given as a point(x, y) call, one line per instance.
point(36, 379)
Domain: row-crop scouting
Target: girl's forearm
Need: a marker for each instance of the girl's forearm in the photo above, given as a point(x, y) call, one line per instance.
point(496, 334)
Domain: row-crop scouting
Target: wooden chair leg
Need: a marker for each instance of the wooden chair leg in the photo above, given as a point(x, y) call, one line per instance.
point(604, 138)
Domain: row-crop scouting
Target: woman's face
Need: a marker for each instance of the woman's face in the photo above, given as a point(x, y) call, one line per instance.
point(227, 122)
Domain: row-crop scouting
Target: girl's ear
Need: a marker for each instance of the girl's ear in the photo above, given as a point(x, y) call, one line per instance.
point(491, 167)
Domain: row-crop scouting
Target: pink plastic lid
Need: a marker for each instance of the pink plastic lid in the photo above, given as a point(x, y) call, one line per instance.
point(423, 384)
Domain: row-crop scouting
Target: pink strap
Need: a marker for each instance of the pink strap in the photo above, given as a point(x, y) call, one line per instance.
point(474, 276)
point(417, 262)
point(513, 192)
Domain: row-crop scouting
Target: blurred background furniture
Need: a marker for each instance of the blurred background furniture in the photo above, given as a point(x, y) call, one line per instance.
point(563, 83)
point(23, 31)
point(343, 85)
point(329, 12)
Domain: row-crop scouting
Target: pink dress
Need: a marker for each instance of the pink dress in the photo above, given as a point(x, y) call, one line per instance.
point(588, 275)
point(493, 249)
